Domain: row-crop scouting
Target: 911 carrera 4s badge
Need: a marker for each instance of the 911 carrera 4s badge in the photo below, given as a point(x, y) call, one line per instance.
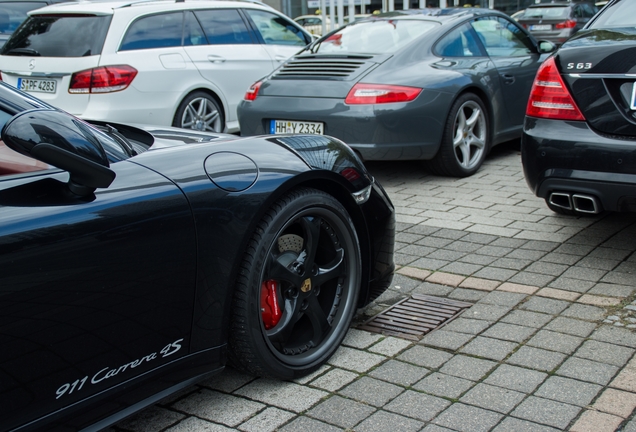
point(108, 372)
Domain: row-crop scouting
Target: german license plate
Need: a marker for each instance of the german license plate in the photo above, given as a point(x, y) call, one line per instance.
point(295, 127)
point(540, 27)
point(37, 85)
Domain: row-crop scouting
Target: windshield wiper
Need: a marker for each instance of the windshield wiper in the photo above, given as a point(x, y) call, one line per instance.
point(23, 52)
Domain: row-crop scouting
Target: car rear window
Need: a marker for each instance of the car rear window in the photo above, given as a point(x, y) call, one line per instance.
point(58, 36)
point(376, 36)
point(619, 14)
point(549, 12)
point(13, 13)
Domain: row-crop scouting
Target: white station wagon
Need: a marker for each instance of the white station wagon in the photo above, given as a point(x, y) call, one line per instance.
point(165, 62)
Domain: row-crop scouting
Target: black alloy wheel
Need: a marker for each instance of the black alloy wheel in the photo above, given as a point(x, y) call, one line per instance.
point(298, 287)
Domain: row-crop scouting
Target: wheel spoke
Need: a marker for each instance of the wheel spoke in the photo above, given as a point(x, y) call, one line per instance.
point(191, 112)
point(318, 319)
point(203, 105)
point(311, 228)
point(477, 141)
point(187, 124)
point(278, 271)
point(473, 119)
point(211, 116)
point(333, 270)
point(465, 150)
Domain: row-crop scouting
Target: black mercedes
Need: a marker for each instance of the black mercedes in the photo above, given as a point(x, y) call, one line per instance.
point(579, 138)
point(135, 261)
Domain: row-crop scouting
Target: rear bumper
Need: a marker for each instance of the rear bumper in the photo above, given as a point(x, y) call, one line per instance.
point(569, 157)
point(397, 131)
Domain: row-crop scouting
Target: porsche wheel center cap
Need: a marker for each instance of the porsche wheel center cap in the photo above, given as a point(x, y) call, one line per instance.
point(306, 286)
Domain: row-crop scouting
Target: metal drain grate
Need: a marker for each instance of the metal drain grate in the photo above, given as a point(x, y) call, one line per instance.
point(415, 316)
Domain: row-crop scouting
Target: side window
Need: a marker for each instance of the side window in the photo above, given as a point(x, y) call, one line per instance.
point(577, 11)
point(589, 10)
point(156, 31)
point(460, 42)
point(502, 38)
point(224, 27)
point(275, 29)
point(193, 33)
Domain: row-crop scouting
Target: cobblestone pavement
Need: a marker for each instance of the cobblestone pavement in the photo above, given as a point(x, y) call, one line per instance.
point(548, 344)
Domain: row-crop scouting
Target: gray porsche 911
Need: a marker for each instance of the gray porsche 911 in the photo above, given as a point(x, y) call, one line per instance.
point(441, 85)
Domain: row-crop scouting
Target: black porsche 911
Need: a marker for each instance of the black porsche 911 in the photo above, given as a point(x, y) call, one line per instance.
point(438, 85)
point(135, 261)
point(579, 140)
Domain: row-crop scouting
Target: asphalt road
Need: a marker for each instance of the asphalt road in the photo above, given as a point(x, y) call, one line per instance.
point(548, 343)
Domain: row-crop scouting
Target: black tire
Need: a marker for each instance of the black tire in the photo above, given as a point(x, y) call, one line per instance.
point(464, 145)
point(317, 301)
point(199, 111)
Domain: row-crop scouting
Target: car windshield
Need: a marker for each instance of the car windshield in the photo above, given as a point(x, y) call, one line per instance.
point(550, 12)
point(619, 14)
point(377, 36)
point(13, 13)
point(59, 36)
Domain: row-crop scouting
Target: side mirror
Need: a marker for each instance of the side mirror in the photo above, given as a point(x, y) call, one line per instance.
point(64, 141)
point(546, 47)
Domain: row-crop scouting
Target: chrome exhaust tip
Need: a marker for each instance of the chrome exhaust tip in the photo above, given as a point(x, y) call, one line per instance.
point(585, 204)
point(561, 200)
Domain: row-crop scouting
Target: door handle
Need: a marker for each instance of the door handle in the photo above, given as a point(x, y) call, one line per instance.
point(508, 79)
point(280, 58)
point(216, 59)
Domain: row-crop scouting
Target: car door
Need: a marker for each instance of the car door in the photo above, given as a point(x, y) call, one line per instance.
point(94, 290)
point(282, 38)
point(231, 59)
point(516, 58)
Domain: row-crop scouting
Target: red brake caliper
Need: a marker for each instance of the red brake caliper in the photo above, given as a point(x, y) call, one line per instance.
point(270, 309)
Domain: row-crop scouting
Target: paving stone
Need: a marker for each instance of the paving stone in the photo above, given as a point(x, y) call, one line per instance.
point(630, 427)
point(598, 263)
point(462, 246)
point(574, 249)
point(193, 424)
point(509, 332)
point(435, 242)
point(267, 421)
point(219, 407)
point(553, 341)
point(615, 335)
point(468, 367)
point(569, 284)
point(444, 385)
point(525, 254)
point(517, 425)
point(585, 312)
point(228, 380)
point(360, 339)
point(509, 242)
point(479, 238)
point(568, 390)
point(383, 421)
point(429, 264)
point(616, 402)
point(558, 294)
point(597, 422)
point(559, 258)
point(517, 288)
point(304, 424)
point(467, 295)
point(587, 274)
point(596, 300)
point(467, 325)
point(587, 370)
point(604, 352)
point(371, 391)
point(445, 254)
point(511, 263)
point(433, 289)
point(423, 356)
point(536, 358)
point(571, 326)
point(547, 268)
point(493, 398)
point(399, 373)
point(285, 395)
point(503, 298)
point(355, 360)
point(516, 378)
point(552, 413)
point(481, 260)
point(151, 419)
point(538, 245)
point(489, 348)
point(417, 405)
point(497, 251)
point(461, 268)
point(334, 379)
point(342, 412)
point(446, 339)
point(545, 305)
point(486, 312)
point(467, 418)
point(390, 346)
point(527, 318)
point(612, 290)
point(495, 273)
point(480, 284)
point(434, 428)
point(626, 380)
point(529, 278)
